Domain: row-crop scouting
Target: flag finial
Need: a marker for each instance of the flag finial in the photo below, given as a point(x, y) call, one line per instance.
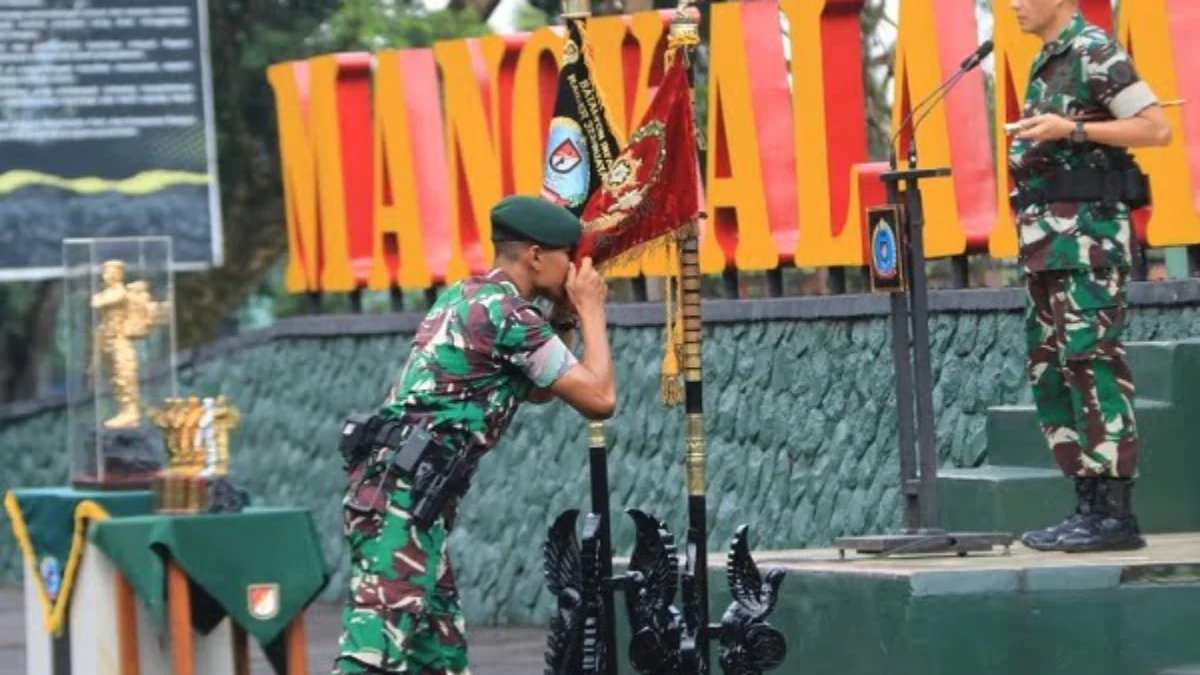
point(685, 25)
point(576, 9)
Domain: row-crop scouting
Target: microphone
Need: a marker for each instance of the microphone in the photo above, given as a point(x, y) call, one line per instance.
point(968, 64)
point(980, 54)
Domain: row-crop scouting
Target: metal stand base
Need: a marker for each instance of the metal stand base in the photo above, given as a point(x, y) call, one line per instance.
point(927, 541)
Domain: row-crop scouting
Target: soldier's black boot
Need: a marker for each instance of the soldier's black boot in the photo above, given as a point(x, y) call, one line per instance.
point(1117, 530)
point(1085, 507)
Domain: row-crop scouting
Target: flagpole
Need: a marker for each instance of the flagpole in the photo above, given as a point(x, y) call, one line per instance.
point(581, 10)
point(685, 31)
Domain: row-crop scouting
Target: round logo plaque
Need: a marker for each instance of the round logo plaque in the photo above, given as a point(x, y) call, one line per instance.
point(883, 250)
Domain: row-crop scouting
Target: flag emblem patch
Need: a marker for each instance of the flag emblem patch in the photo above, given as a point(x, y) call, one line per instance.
point(263, 601)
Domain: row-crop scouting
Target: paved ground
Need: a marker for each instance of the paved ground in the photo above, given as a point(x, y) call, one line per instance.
point(494, 651)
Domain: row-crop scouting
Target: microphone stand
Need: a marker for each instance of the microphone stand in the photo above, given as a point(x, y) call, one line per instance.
point(910, 309)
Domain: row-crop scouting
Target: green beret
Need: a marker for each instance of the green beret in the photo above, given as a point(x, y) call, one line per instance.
point(522, 218)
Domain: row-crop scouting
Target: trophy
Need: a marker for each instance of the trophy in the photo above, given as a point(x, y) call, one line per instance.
point(196, 478)
point(120, 351)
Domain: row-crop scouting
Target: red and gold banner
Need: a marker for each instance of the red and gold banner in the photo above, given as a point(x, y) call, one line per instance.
point(651, 189)
point(389, 175)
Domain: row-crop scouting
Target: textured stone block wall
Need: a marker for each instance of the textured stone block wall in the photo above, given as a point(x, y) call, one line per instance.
point(800, 420)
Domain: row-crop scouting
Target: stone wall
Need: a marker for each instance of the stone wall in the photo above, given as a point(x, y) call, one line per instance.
point(800, 411)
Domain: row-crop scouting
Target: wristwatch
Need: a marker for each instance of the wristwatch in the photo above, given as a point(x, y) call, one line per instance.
point(560, 325)
point(1078, 135)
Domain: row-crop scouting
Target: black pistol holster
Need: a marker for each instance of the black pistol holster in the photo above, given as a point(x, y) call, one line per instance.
point(435, 473)
point(1105, 179)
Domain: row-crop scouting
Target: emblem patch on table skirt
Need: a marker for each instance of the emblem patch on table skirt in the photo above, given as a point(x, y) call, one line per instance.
point(263, 601)
point(51, 572)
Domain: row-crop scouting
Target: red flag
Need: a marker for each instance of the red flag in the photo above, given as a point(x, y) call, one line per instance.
point(652, 188)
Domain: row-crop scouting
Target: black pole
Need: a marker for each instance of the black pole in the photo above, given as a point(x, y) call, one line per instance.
point(901, 347)
point(920, 329)
point(598, 460)
point(693, 387)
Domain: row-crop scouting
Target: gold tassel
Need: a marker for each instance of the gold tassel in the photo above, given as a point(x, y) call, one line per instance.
point(672, 387)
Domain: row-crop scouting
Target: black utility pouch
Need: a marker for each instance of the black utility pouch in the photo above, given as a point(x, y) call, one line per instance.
point(357, 431)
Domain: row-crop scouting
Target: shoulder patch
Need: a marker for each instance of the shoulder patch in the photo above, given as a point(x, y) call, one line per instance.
point(1121, 74)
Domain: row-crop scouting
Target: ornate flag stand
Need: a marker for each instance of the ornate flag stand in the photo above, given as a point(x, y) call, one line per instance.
point(666, 640)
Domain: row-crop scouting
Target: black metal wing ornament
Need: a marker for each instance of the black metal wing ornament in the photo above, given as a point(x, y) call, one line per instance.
point(750, 645)
point(650, 585)
point(564, 579)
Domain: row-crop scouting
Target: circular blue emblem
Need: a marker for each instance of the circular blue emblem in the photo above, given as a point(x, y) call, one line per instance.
point(51, 572)
point(566, 172)
point(883, 250)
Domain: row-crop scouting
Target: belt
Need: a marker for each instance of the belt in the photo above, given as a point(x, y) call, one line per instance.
point(1129, 186)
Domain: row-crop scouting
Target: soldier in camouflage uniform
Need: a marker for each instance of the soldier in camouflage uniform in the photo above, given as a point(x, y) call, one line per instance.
point(483, 349)
point(1075, 182)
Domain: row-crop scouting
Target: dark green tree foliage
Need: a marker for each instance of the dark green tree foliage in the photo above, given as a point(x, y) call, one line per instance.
point(249, 36)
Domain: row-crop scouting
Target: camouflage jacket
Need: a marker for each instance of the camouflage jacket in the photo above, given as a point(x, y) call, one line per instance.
point(1083, 71)
point(478, 353)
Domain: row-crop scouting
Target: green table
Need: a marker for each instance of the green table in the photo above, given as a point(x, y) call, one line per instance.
point(261, 568)
point(49, 525)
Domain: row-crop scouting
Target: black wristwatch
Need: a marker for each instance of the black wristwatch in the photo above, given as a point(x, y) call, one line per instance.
point(1078, 135)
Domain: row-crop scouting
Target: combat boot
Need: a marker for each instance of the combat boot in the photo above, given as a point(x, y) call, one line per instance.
point(1085, 508)
point(1116, 530)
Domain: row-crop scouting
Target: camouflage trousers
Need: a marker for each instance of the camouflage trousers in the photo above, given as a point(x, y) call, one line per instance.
point(1082, 385)
point(403, 614)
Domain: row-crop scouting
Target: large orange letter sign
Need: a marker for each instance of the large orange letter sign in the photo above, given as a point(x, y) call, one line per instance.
point(1161, 38)
point(535, 80)
point(829, 133)
point(736, 198)
point(310, 149)
point(935, 37)
point(412, 228)
point(470, 69)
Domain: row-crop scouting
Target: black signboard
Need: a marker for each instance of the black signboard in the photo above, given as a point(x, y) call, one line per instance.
point(106, 129)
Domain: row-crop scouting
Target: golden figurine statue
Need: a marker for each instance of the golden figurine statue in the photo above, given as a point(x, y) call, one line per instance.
point(126, 313)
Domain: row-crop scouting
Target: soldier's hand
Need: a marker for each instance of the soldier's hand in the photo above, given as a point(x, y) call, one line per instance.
point(1045, 128)
point(586, 288)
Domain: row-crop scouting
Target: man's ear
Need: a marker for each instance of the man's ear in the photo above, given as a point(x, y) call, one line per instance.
point(535, 255)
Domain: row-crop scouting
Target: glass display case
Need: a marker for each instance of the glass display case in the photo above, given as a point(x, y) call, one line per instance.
point(118, 302)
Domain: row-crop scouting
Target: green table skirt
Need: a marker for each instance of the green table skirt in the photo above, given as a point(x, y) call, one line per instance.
point(49, 526)
point(260, 567)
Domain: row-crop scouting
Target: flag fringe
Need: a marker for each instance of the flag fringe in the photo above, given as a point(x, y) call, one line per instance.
point(671, 383)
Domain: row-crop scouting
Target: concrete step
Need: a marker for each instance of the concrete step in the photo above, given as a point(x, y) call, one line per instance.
point(1015, 499)
point(1014, 436)
point(1154, 369)
point(1002, 498)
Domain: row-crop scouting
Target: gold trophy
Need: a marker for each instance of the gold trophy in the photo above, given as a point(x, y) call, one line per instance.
point(196, 432)
point(125, 316)
point(225, 419)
